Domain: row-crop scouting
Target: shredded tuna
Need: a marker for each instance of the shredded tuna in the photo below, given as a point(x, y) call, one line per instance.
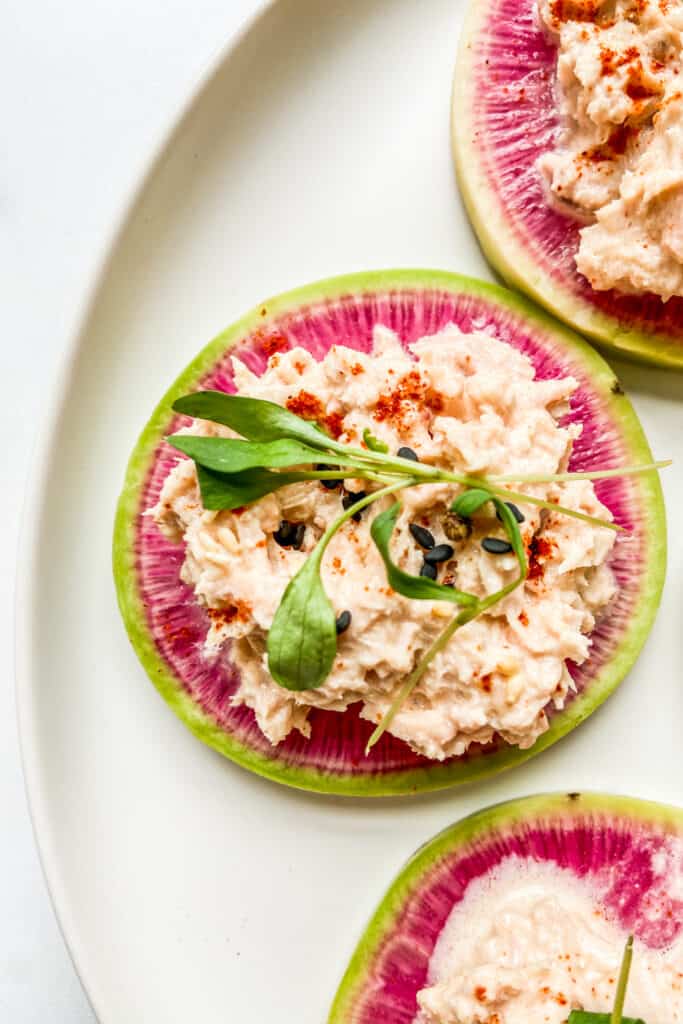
point(468, 402)
point(618, 159)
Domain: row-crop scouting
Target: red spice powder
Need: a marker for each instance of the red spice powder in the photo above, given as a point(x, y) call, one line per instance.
point(394, 406)
point(608, 61)
point(309, 407)
point(356, 369)
point(523, 618)
point(306, 405)
point(540, 550)
point(480, 993)
point(616, 145)
point(240, 610)
point(271, 343)
point(182, 634)
point(575, 10)
point(638, 88)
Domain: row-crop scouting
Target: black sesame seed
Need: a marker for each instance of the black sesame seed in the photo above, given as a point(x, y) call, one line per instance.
point(423, 537)
point(331, 485)
point(285, 532)
point(352, 498)
point(441, 553)
point(519, 516)
point(429, 571)
point(299, 534)
point(407, 453)
point(343, 622)
point(290, 535)
point(495, 546)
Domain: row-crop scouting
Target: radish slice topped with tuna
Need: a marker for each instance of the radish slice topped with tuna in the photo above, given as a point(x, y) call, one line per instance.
point(567, 127)
point(521, 913)
point(400, 532)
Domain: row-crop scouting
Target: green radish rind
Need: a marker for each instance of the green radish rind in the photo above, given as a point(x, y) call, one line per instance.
point(507, 253)
point(543, 809)
point(438, 775)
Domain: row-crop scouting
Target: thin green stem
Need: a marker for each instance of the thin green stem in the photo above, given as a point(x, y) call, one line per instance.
point(348, 513)
point(413, 679)
point(460, 619)
point(562, 509)
point(620, 999)
point(601, 474)
point(358, 474)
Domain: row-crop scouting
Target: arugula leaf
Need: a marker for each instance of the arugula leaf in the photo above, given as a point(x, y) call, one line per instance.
point(470, 502)
point(373, 443)
point(420, 588)
point(302, 641)
point(254, 418)
point(222, 492)
point(232, 455)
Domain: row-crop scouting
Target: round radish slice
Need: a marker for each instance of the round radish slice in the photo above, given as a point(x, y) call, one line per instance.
point(627, 853)
point(167, 626)
point(504, 117)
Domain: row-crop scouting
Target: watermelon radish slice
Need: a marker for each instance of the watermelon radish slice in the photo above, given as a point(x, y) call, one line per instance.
point(623, 847)
point(167, 627)
point(504, 117)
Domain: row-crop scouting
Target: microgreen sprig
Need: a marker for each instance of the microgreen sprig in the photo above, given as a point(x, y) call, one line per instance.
point(302, 640)
point(277, 448)
point(616, 1016)
point(465, 506)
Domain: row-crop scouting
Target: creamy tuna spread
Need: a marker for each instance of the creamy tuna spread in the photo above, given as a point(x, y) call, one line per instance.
point(618, 159)
point(468, 402)
point(529, 943)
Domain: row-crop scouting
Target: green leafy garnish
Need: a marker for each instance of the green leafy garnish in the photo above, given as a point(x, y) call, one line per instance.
point(477, 501)
point(616, 1016)
point(253, 418)
point(419, 588)
point(598, 474)
point(470, 502)
point(302, 640)
point(373, 443)
point(277, 448)
point(582, 1017)
point(232, 455)
point(224, 492)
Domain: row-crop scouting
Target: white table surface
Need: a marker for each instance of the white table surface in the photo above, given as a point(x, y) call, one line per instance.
point(87, 88)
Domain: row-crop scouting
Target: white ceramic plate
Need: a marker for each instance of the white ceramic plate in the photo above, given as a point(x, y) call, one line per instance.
point(187, 889)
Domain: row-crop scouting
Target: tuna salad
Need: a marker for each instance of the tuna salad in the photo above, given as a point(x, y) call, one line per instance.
point(618, 157)
point(468, 402)
point(529, 943)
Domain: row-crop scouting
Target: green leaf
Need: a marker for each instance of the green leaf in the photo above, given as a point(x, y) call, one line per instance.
point(615, 1017)
point(584, 1017)
point(511, 525)
point(373, 443)
point(302, 642)
point(419, 588)
point(470, 502)
point(254, 418)
point(221, 492)
point(230, 455)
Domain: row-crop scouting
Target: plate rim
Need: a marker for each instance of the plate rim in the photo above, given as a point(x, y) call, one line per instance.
point(33, 504)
